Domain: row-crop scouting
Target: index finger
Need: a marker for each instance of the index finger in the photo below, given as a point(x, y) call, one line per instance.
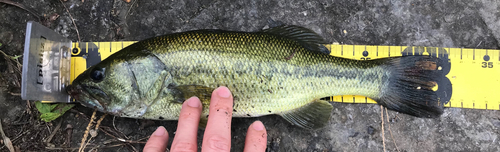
point(217, 135)
point(158, 141)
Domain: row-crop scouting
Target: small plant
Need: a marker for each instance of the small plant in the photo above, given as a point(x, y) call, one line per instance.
point(52, 111)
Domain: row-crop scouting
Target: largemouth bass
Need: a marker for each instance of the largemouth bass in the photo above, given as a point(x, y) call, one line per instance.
point(284, 71)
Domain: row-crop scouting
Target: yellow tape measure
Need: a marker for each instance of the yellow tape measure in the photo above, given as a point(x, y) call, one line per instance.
point(470, 80)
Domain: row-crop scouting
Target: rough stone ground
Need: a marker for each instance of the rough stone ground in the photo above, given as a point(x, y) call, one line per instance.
point(353, 127)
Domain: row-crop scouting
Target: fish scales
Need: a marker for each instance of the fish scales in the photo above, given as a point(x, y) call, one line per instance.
point(267, 73)
point(254, 66)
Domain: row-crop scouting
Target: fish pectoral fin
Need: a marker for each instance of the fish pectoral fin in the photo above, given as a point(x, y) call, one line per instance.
point(154, 92)
point(305, 37)
point(310, 116)
point(202, 92)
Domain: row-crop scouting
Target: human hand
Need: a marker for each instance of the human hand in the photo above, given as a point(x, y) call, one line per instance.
point(217, 135)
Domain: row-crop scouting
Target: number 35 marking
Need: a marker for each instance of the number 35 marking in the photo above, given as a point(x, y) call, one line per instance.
point(487, 64)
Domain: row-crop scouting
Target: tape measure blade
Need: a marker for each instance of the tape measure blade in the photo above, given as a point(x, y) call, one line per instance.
point(473, 79)
point(347, 51)
point(455, 53)
point(370, 52)
point(357, 52)
point(383, 51)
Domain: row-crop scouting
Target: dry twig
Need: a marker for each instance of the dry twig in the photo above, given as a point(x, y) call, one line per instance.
point(14, 94)
point(12, 58)
point(54, 132)
point(93, 132)
point(390, 131)
point(69, 133)
point(28, 107)
point(13, 69)
point(79, 114)
point(20, 6)
point(125, 140)
point(126, 15)
point(382, 118)
point(99, 122)
point(110, 132)
point(114, 122)
point(87, 132)
point(96, 147)
point(72, 19)
point(6, 139)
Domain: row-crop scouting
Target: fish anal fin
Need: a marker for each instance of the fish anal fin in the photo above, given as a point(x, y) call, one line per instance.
point(305, 37)
point(310, 116)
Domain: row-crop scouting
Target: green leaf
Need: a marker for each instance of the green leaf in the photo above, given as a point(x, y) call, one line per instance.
point(48, 117)
point(62, 108)
point(52, 111)
point(43, 107)
point(53, 106)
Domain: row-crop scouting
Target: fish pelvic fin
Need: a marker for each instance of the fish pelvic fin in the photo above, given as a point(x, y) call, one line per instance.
point(313, 115)
point(305, 37)
point(408, 88)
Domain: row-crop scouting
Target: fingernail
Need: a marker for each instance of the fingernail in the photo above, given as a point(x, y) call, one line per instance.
point(258, 126)
point(223, 92)
point(160, 131)
point(193, 102)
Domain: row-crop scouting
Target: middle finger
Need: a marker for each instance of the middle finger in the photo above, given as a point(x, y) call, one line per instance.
point(187, 128)
point(217, 135)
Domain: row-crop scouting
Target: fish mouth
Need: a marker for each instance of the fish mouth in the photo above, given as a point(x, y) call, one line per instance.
point(88, 96)
point(76, 92)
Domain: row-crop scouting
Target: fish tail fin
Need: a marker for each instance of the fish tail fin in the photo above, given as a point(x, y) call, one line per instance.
point(409, 87)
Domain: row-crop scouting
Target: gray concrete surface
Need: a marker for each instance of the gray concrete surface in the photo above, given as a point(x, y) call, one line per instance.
point(353, 127)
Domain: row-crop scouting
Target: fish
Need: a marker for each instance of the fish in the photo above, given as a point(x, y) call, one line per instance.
point(285, 71)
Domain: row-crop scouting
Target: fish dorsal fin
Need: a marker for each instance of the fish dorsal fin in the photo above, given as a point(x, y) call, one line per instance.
point(311, 116)
point(305, 37)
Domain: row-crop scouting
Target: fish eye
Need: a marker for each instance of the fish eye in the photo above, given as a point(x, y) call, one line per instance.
point(97, 74)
